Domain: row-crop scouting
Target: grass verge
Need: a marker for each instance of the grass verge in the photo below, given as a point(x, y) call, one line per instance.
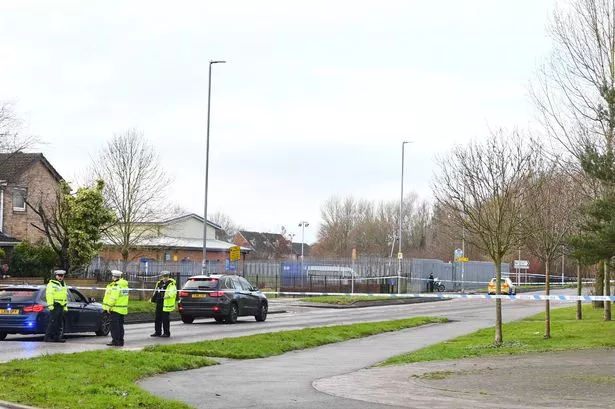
point(524, 336)
point(345, 300)
point(106, 379)
point(141, 306)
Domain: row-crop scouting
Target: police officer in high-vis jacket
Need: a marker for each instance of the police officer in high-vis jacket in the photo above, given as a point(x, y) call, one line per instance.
point(115, 303)
point(164, 297)
point(56, 294)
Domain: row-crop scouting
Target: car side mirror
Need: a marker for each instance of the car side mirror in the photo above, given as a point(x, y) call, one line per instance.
point(254, 289)
point(91, 299)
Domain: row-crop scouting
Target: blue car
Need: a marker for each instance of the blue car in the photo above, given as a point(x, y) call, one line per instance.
point(23, 310)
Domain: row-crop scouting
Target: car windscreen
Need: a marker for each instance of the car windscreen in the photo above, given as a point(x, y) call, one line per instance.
point(205, 283)
point(18, 295)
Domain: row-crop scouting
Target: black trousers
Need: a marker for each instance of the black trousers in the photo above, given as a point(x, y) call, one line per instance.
point(56, 321)
point(117, 328)
point(161, 321)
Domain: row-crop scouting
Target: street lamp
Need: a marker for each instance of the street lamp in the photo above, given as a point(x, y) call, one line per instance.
point(303, 225)
point(401, 205)
point(205, 267)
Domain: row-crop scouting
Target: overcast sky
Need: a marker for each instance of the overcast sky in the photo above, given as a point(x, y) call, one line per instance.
point(314, 101)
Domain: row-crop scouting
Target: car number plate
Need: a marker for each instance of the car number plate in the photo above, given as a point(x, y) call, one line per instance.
point(198, 295)
point(5, 311)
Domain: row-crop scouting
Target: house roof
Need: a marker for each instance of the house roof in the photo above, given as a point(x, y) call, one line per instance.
point(13, 165)
point(6, 240)
point(184, 243)
point(190, 215)
point(297, 249)
point(263, 242)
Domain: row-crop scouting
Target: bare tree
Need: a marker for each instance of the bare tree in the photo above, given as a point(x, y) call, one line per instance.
point(550, 217)
point(482, 187)
point(12, 139)
point(229, 227)
point(135, 185)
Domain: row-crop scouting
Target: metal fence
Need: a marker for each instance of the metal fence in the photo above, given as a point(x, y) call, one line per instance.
point(380, 275)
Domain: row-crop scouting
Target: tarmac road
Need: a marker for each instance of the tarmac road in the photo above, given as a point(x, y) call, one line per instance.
point(321, 377)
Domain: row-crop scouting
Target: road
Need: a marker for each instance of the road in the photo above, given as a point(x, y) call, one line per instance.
point(295, 317)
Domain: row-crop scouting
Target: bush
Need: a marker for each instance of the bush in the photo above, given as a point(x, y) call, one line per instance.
point(32, 260)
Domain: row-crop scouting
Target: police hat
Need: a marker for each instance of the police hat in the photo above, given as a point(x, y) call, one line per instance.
point(116, 273)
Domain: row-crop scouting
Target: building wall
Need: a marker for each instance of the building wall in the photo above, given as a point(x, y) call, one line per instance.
point(190, 227)
point(42, 186)
point(109, 253)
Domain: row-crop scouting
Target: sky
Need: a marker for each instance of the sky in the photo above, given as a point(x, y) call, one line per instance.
point(314, 100)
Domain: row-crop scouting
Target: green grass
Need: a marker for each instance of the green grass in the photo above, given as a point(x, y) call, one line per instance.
point(524, 336)
point(91, 380)
point(345, 300)
point(106, 379)
point(141, 306)
point(276, 343)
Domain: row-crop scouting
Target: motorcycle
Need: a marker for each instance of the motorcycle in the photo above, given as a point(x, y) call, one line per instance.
point(438, 286)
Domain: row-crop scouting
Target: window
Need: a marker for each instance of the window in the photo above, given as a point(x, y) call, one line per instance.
point(19, 199)
point(245, 285)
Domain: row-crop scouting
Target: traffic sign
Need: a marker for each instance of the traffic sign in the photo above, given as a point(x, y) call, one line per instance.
point(521, 264)
point(458, 253)
point(462, 259)
point(234, 253)
point(400, 255)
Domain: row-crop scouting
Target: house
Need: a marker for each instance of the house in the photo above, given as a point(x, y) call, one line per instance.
point(297, 248)
point(175, 239)
point(264, 246)
point(24, 177)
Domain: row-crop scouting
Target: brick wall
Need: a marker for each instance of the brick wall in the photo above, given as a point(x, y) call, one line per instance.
point(42, 186)
point(110, 253)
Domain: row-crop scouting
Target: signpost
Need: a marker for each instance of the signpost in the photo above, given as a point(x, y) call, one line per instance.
point(234, 253)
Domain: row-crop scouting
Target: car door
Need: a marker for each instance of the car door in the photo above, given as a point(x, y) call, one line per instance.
point(85, 315)
point(252, 299)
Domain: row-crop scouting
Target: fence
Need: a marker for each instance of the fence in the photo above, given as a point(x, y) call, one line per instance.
point(368, 274)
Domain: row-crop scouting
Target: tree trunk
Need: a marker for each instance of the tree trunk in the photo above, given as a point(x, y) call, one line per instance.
point(607, 291)
point(498, 303)
point(599, 285)
point(547, 302)
point(579, 292)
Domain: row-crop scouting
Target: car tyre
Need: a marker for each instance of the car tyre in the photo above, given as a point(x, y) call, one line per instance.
point(2, 335)
point(262, 312)
point(233, 313)
point(105, 325)
point(187, 319)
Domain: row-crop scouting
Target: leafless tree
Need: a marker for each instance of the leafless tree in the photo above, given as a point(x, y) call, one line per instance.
point(229, 227)
point(575, 92)
point(135, 186)
point(483, 187)
point(12, 139)
point(551, 215)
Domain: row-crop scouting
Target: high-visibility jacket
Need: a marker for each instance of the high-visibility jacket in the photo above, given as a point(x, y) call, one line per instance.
point(116, 297)
point(56, 293)
point(169, 289)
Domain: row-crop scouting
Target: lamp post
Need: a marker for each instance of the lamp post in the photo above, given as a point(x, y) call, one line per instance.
point(401, 206)
point(303, 225)
point(205, 267)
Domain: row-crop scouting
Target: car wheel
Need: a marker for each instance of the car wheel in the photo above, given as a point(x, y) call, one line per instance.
point(219, 320)
point(262, 312)
point(187, 319)
point(2, 335)
point(105, 325)
point(231, 318)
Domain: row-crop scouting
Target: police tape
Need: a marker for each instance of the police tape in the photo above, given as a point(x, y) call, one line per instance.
point(530, 297)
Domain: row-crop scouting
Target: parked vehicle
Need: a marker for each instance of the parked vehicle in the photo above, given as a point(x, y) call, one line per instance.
point(506, 286)
point(221, 297)
point(23, 310)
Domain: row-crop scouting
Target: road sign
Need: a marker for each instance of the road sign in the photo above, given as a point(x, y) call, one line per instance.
point(234, 253)
point(521, 264)
point(458, 253)
point(462, 259)
point(400, 255)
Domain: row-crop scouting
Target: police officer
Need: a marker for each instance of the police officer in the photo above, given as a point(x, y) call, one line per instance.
point(164, 297)
point(57, 303)
point(430, 283)
point(115, 303)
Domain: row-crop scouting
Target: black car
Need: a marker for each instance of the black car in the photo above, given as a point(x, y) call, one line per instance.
point(222, 297)
point(23, 310)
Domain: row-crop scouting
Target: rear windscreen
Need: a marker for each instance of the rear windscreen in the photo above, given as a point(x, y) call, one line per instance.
point(20, 295)
point(201, 284)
